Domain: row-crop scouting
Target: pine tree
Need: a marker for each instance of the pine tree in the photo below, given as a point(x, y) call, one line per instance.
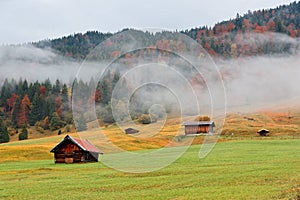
point(104, 90)
point(55, 122)
point(36, 110)
point(5, 92)
point(56, 88)
point(15, 112)
point(24, 134)
point(4, 135)
point(65, 97)
point(48, 107)
point(115, 79)
point(48, 85)
point(25, 87)
point(81, 124)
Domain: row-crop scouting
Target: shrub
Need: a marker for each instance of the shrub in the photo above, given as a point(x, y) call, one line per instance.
point(202, 118)
point(39, 129)
point(24, 134)
point(68, 128)
point(145, 119)
point(59, 132)
point(55, 122)
point(106, 114)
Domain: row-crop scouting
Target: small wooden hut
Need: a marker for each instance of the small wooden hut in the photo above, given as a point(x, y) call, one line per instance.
point(199, 127)
point(74, 150)
point(263, 132)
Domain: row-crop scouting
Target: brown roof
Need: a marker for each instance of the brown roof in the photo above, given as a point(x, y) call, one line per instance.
point(263, 131)
point(131, 131)
point(199, 123)
point(85, 145)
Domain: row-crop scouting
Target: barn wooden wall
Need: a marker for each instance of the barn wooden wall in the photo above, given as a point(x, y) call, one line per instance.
point(196, 129)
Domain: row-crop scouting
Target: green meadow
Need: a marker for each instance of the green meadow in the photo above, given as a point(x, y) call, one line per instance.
point(258, 169)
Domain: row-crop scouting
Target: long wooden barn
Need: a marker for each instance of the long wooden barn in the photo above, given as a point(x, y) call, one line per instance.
point(199, 127)
point(74, 150)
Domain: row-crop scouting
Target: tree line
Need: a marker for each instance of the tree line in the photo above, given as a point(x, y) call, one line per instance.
point(226, 39)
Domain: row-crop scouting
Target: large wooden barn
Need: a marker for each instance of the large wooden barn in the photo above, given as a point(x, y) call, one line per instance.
point(199, 127)
point(74, 150)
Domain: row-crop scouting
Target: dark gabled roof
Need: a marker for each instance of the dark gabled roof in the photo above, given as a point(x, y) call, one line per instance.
point(263, 131)
point(131, 131)
point(85, 145)
point(199, 123)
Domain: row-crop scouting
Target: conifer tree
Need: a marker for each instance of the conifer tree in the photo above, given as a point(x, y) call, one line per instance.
point(15, 112)
point(4, 135)
point(81, 124)
point(36, 110)
point(24, 134)
point(65, 98)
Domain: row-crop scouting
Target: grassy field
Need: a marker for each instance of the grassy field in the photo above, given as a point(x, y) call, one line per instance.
point(258, 169)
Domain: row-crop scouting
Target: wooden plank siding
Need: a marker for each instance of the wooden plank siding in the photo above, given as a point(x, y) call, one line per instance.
point(196, 129)
point(199, 127)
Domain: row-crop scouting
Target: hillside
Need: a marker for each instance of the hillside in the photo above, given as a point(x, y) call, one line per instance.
point(226, 39)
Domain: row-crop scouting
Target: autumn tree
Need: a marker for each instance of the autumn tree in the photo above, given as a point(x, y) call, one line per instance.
point(46, 123)
point(11, 101)
point(23, 114)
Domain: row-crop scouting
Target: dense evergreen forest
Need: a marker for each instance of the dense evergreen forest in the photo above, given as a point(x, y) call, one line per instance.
point(48, 106)
point(44, 105)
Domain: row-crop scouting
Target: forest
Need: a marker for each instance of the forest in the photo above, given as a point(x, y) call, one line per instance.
point(225, 39)
point(44, 105)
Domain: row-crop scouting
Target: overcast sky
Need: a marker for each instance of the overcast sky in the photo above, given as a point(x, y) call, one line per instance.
point(32, 20)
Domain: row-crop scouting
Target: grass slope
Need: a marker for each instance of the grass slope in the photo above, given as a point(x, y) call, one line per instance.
point(266, 169)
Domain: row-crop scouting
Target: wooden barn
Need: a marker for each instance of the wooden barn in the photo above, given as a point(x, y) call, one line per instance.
point(263, 132)
point(74, 150)
point(199, 127)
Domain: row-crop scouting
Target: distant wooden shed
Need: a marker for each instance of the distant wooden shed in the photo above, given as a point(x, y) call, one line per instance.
point(263, 132)
point(199, 127)
point(131, 131)
point(74, 150)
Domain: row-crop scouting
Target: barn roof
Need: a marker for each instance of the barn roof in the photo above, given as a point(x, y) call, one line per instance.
point(131, 131)
point(85, 145)
point(263, 130)
point(199, 123)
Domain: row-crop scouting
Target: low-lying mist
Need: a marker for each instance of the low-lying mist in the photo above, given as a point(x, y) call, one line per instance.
point(31, 63)
point(250, 83)
point(259, 82)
